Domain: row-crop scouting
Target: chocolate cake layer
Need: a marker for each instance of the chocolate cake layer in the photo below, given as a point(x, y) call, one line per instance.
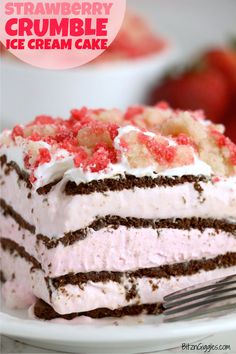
point(44, 311)
point(130, 182)
point(114, 222)
point(11, 247)
point(2, 278)
point(23, 175)
point(12, 165)
point(166, 271)
point(9, 211)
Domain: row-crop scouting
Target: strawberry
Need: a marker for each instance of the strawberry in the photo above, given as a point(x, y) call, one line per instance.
point(224, 60)
point(204, 89)
point(230, 124)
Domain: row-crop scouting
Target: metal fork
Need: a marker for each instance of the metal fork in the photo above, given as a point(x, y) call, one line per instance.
point(210, 297)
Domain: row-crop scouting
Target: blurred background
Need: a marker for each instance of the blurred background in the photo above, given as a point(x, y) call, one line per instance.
point(182, 51)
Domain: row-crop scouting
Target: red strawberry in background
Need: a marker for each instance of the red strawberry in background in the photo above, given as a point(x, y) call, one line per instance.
point(231, 129)
point(225, 62)
point(230, 123)
point(202, 89)
point(210, 86)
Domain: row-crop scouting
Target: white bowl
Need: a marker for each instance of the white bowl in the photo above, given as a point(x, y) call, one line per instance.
point(29, 91)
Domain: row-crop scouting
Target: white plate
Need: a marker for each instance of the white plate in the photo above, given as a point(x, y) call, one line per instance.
point(133, 335)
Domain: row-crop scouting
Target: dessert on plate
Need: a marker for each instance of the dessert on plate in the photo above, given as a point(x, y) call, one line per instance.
point(105, 213)
point(136, 39)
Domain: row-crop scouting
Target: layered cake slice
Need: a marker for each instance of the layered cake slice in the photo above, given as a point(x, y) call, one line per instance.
point(105, 213)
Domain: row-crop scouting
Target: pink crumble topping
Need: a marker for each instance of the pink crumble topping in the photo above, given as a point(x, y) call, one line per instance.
point(63, 134)
point(162, 152)
point(113, 130)
point(17, 131)
point(224, 142)
point(27, 161)
point(80, 157)
point(99, 160)
point(87, 138)
point(43, 120)
point(43, 157)
point(183, 139)
point(32, 178)
point(112, 153)
point(162, 105)
point(133, 111)
point(216, 179)
point(34, 137)
point(123, 144)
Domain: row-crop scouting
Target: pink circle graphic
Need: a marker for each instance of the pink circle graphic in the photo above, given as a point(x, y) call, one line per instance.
point(59, 34)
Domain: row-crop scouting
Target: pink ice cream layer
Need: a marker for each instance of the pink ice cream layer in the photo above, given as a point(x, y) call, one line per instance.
point(113, 295)
point(57, 213)
point(17, 290)
point(121, 249)
point(73, 298)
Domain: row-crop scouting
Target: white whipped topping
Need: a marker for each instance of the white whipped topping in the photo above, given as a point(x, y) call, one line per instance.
point(61, 160)
point(55, 169)
point(78, 175)
point(62, 166)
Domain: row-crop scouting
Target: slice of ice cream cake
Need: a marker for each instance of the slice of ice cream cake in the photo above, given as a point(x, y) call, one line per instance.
point(105, 213)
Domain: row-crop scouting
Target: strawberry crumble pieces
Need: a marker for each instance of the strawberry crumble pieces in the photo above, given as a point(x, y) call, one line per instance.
point(80, 157)
point(17, 131)
point(226, 145)
point(161, 150)
point(95, 140)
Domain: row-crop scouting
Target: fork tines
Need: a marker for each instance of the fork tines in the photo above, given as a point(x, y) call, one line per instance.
point(212, 296)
